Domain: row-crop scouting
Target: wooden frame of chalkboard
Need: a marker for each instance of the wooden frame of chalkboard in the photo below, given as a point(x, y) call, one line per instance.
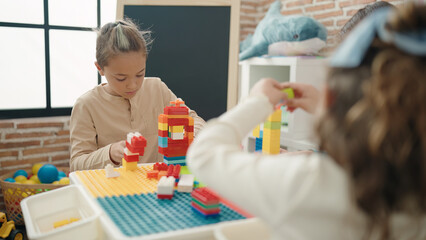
point(224, 89)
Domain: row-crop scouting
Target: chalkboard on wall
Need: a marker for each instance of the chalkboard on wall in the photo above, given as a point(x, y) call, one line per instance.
point(190, 52)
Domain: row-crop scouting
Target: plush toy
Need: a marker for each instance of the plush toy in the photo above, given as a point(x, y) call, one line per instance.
point(301, 35)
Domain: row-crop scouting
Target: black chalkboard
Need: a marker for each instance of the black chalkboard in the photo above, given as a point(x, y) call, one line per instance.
point(189, 53)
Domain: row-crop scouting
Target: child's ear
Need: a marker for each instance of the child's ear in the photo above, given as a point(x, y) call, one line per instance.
point(101, 72)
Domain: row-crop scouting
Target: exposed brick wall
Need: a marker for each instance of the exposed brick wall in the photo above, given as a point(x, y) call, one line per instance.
point(24, 142)
point(332, 13)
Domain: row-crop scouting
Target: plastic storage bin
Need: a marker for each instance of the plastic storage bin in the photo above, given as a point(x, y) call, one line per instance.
point(253, 229)
point(14, 193)
point(41, 211)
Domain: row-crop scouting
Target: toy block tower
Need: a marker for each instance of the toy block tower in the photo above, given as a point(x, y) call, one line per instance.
point(268, 134)
point(272, 133)
point(175, 133)
point(205, 202)
point(135, 147)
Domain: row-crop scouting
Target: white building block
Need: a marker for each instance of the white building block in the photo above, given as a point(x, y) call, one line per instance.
point(186, 183)
point(177, 135)
point(165, 185)
point(110, 173)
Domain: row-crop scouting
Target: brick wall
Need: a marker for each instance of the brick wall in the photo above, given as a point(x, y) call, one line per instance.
point(332, 13)
point(24, 142)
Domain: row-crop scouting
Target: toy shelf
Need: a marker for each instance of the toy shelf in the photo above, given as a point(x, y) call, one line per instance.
point(297, 134)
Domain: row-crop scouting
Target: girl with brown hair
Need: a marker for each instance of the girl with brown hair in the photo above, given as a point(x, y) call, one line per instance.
point(369, 180)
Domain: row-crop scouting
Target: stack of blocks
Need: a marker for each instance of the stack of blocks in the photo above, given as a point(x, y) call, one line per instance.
point(268, 134)
point(175, 133)
point(135, 145)
point(205, 202)
point(272, 133)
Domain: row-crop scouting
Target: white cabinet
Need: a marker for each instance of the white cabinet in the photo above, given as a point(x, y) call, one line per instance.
point(298, 134)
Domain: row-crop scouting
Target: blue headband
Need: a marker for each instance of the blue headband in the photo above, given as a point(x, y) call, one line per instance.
point(353, 49)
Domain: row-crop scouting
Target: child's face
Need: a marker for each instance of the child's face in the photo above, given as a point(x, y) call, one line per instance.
point(125, 73)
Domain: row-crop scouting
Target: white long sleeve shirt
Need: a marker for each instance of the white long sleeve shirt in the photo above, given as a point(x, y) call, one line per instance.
point(298, 196)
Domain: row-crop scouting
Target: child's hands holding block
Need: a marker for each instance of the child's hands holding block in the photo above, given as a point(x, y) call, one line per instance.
point(301, 95)
point(271, 89)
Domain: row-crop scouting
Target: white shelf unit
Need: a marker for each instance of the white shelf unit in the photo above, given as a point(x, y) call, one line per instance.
point(298, 135)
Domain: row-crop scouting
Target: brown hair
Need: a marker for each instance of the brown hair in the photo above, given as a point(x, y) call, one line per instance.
point(376, 126)
point(120, 37)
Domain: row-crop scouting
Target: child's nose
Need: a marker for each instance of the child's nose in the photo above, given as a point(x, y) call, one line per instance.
point(132, 83)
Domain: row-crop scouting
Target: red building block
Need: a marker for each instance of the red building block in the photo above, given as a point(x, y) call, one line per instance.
point(162, 133)
point(178, 122)
point(176, 143)
point(176, 171)
point(175, 153)
point(189, 129)
point(171, 110)
point(131, 158)
point(164, 196)
point(160, 166)
point(205, 196)
point(170, 170)
point(137, 145)
point(152, 174)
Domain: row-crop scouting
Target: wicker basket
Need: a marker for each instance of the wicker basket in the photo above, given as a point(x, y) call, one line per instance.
point(13, 193)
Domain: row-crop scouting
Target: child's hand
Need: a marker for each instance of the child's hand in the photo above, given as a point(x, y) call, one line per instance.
point(306, 97)
point(271, 89)
point(116, 152)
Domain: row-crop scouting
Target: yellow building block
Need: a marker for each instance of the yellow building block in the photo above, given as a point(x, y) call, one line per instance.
point(256, 131)
point(289, 91)
point(163, 127)
point(271, 132)
point(129, 166)
point(276, 116)
point(64, 222)
point(273, 150)
point(177, 129)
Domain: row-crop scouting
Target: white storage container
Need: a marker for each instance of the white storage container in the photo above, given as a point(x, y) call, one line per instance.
point(41, 211)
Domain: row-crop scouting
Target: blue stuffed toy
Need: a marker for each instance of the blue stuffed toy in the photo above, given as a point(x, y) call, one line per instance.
point(276, 28)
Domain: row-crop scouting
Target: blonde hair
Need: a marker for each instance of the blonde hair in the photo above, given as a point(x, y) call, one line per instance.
point(120, 37)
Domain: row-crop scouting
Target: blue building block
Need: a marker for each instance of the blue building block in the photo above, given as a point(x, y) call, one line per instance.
point(203, 214)
point(144, 214)
point(162, 142)
point(258, 145)
point(175, 158)
point(174, 162)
